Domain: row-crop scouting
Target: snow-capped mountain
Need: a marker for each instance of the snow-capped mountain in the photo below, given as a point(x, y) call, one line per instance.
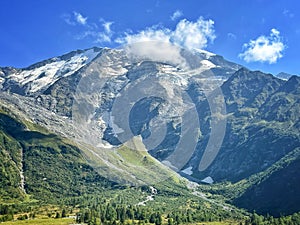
point(102, 83)
point(40, 76)
point(208, 119)
point(177, 101)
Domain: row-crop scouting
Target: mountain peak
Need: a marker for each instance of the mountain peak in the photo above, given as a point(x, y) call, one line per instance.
point(292, 85)
point(41, 75)
point(283, 75)
point(207, 54)
point(294, 78)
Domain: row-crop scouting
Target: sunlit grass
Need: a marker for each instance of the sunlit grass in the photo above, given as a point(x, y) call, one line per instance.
point(217, 223)
point(48, 221)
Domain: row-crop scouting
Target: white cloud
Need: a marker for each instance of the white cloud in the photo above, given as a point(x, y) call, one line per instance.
point(103, 37)
point(149, 34)
point(264, 48)
point(156, 51)
point(107, 26)
point(74, 19)
point(188, 34)
point(79, 18)
point(194, 35)
point(106, 35)
point(97, 35)
point(85, 34)
point(177, 14)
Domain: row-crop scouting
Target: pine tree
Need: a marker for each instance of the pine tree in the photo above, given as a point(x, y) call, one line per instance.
point(158, 219)
point(123, 215)
point(63, 213)
point(57, 215)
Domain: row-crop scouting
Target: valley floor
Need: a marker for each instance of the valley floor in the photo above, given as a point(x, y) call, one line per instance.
point(48, 221)
point(70, 221)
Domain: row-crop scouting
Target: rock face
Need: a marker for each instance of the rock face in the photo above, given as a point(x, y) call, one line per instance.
point(195, 112)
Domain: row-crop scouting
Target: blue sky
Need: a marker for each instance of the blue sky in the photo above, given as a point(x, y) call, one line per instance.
point(259, 34)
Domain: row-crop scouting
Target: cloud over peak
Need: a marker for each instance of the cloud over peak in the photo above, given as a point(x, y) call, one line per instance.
point(188, 34)
point(264, 48)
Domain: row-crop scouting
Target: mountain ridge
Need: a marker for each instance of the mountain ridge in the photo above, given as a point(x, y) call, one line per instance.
point(261, 110)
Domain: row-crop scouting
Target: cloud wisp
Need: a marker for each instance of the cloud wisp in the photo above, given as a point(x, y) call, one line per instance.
point(264, 49)
point(75, 19)
point(288, 13)
point(80, 19)
point(92, 30)
point(177, 14)
point(106, 34)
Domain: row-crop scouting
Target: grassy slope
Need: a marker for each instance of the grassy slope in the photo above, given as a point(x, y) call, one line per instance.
point(52, 167)
point(56, 172)
point(51, 221)
point(276, 190)
point(271, 191)
point(130, 164)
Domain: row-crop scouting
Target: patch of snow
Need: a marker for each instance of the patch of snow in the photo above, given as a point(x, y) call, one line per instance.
point(115, 127)
point(207, 180)
point(105, 144)
point(150, 198)
point(175, 79)
point(114, 70)
point(48, 74)
point(90, 55)
point(188, 170)
point(167, 69)
point(206, 53)
point(113, 63)
point(207, 64)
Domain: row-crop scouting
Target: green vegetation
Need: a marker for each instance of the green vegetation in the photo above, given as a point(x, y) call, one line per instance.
point(63, 179)
point(56, 173)
point(257, 167)
point(52, 168)
point(260, 191)
point(52, 221)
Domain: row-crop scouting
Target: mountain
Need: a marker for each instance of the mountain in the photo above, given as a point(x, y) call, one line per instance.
point(38, 77)
point(196, 113)
point(42, 164)
point(274, 190)
point(262, 124)
point(46, 175)
point(284, 76)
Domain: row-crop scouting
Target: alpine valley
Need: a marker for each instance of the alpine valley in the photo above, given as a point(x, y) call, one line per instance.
point(62, 151)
